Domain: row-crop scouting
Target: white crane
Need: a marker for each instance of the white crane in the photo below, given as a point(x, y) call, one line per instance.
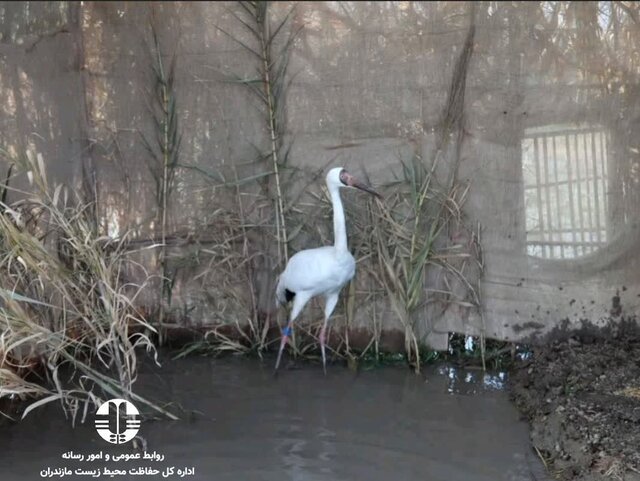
point(322, 271)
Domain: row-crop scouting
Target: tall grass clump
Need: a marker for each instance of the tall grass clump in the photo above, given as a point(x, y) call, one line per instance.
point(412, 236)
point(70, 331)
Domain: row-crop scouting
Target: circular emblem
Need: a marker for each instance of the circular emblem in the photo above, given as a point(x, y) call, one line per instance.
point(117, 421)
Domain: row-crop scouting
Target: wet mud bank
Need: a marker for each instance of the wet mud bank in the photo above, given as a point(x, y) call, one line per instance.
point(581, 396)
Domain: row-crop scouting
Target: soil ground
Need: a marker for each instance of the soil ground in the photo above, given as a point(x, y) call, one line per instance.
point(581, 395)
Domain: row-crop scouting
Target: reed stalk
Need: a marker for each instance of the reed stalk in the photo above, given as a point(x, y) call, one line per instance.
point(163, 160)
point(272, 78)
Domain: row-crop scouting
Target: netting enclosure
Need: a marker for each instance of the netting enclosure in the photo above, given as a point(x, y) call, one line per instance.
point(524, 116)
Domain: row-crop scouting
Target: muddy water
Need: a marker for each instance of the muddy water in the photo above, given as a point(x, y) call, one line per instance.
point(239, 423)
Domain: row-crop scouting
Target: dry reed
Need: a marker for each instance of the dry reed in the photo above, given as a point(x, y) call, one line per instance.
point(70, 329)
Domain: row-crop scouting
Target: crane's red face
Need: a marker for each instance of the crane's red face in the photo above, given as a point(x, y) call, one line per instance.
point(350, 181)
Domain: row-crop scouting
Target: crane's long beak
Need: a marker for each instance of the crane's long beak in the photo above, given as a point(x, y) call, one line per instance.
point(353, 182)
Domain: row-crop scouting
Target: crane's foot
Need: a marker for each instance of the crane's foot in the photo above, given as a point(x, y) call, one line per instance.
point(322, 348)
point(283, 343)
point(286, 332)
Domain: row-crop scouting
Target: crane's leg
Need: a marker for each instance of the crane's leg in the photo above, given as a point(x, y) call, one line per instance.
point(332, 300)
point(299, 301)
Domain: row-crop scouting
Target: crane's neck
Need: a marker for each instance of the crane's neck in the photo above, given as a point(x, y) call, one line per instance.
point(339, 226)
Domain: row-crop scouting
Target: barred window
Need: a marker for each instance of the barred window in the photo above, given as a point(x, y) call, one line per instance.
point(565, 186)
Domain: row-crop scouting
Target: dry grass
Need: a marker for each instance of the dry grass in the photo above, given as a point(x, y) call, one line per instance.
point(70, 330)
point(632, 392)
point(417, 238)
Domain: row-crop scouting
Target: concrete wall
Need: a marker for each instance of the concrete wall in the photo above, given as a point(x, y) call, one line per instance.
point(517, 98)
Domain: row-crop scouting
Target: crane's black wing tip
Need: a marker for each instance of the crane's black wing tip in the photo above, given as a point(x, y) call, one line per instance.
point(289, 295)
point(285, 299)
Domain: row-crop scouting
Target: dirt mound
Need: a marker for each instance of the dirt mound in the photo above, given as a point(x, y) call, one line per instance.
point(581, 395)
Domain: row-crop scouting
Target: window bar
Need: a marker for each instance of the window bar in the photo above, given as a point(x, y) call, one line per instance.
point(570, 187)
point(596, 198)
point(605, 199)
point(536, 155)
point(547, 194)
point(559, 211)
point(588, 187)
point(579, 185)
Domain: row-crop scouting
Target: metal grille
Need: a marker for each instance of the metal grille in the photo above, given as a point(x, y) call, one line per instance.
point(565, 185)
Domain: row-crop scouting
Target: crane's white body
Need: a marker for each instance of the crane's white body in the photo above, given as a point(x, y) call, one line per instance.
point(322, 271)
point(314, 272)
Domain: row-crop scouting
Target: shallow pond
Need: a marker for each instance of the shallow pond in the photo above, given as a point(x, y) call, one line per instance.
point(240, 423)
